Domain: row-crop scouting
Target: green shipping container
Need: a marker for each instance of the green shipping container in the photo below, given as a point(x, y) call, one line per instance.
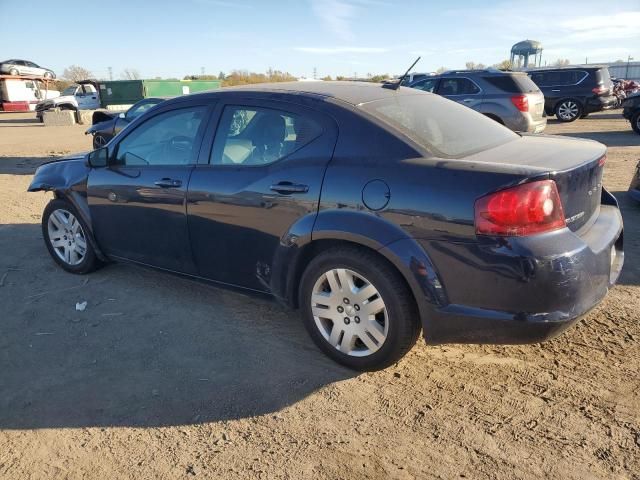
point(128, 92)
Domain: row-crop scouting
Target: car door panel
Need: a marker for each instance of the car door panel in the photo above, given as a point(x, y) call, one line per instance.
point(238, 215)
point(138, 210)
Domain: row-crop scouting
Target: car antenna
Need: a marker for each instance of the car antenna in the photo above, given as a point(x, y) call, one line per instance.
point(396, 85)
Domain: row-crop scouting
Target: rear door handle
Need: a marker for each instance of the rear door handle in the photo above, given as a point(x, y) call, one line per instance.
point(168, 183)
point(555, 90)
point(468, 100)
point(287, 188)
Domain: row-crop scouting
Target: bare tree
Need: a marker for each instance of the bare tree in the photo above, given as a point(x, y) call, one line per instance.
point(130, 74)
point(442, 69)
point(562, 62)
point(503, 65)
point(75, 73)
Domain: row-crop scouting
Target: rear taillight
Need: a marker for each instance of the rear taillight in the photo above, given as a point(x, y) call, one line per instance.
point(602, 161)
point(523, 210)
point(521, 102)
point(600, 90)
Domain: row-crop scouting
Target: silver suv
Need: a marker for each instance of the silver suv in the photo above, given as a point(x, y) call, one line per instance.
point(510, 98)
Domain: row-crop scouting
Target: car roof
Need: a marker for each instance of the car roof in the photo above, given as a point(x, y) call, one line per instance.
point(555, 69)
point(354, 93)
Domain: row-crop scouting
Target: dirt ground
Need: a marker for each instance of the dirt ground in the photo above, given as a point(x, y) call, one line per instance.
point(162, 377)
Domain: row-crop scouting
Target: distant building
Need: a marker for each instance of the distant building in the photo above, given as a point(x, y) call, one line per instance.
point(621, 70)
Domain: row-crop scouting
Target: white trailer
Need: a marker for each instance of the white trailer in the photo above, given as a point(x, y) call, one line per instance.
point(23, 93)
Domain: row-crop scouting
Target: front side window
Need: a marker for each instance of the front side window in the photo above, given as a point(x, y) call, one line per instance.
point(249, 136)
point(426, 85)
point(136, 111)
point(457, 86)
point(166, 139)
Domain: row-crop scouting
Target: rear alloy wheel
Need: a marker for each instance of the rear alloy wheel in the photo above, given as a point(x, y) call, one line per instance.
point(568, 110)
point(13, 71)
point(358, 309)
point(635, 122)
point(47, 75)
point(99, 141)
point(67, 238)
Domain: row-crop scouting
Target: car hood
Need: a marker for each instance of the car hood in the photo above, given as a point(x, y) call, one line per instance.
point(61, 174)
point(57, 100)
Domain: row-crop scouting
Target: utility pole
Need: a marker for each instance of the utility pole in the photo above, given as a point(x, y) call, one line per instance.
point(110, 73)
point(629, 58)
point(202, 71)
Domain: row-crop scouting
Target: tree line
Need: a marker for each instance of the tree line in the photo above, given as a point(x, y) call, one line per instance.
point(74, 73)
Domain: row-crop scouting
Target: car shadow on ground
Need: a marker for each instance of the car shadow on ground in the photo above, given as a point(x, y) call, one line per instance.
point(6, 120)
point(22, 165)
point(150, 348)
point(631, 218)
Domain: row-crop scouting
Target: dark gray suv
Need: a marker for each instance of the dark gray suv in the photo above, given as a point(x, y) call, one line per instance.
point(510, 98)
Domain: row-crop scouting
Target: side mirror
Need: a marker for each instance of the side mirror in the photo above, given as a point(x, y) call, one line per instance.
point(98, 158)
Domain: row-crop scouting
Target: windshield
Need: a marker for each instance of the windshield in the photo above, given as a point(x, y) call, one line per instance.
point(444, 128)
point(69, 90)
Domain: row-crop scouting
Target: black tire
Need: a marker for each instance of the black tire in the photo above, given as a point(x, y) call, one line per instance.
point(584, 115)
point(14, 72)
point(635, 122)
point(402, 314)
point(494, 118)
point(48, 75)
point(89, 262)
point(99, 141)
point(568, 110)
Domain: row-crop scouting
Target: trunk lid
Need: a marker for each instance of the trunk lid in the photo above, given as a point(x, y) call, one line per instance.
point(574, 164)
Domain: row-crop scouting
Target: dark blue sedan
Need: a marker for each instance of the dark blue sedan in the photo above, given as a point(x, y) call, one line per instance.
point(376, 212)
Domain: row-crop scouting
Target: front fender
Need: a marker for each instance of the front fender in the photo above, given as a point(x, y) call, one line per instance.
point(67, 179)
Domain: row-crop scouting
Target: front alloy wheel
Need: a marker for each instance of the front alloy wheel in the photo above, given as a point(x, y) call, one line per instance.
point(99, 141)
point(67, 238)
point(568, 111)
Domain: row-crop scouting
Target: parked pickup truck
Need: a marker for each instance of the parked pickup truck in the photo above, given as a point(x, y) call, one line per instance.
point(79, 96)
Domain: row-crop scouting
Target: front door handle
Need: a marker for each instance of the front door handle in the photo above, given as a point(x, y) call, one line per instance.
point(168, 183)
point(468, 100)
point(287, 188)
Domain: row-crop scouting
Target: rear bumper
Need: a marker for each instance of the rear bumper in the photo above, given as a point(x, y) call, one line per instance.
point(527, 289)
point(525, 123)
point(596, 104)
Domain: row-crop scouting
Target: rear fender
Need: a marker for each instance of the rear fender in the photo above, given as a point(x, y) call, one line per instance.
point(357, 228)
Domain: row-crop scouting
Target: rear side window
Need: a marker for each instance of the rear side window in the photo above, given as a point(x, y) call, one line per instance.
point(558, 78)
point(442, 127)
point(513, 83)
point(250, 136)
point(457, 86)
point(603, 77)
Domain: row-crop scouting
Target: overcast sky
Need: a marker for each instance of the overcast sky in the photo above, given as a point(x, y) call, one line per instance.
point(173, 38)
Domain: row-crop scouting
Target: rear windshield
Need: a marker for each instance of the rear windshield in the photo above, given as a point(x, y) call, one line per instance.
point(603, 77)
point(442, 127)
point(513, 83)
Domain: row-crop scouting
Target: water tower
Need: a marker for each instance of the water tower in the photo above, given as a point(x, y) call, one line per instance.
point(522, 51)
